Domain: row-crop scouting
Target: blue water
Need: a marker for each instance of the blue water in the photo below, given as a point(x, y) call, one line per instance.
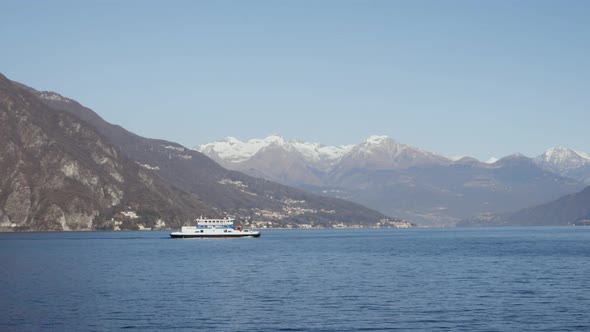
point(512, 279)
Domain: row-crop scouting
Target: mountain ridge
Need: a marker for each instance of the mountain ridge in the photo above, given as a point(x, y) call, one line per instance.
point(232, 150)
point(557, 158)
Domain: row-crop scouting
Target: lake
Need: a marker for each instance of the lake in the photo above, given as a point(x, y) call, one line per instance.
point(495, 279)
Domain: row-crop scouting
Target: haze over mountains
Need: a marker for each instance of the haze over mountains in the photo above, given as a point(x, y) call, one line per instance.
point(409, 182)
point(63, 168)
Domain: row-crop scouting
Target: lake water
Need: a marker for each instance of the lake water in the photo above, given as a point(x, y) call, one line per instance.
point(510, 279)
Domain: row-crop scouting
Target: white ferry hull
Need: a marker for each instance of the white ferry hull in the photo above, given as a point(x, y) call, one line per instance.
point(180, 235)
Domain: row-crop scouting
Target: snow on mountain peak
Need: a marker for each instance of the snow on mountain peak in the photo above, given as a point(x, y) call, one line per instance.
point(561, 158)
point(233, 150)
point(560, 153)
point(379, 144)
point(376, 139)
point(232, 140)
point(276, 139)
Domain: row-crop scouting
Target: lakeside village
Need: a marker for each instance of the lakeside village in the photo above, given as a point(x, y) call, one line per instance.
point(289, 216)
point(262, 219)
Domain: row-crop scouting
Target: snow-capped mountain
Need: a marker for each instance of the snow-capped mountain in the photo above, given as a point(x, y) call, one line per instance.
point(566, 162)
point(562, 158)
point(273, 157)
point(382, 152)
point(233, 151)
point(303, 163)
point(374, 152)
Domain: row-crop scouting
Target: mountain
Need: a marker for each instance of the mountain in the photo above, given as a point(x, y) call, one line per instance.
point(303, 163)
point(59, 173)
point(232, 150)
point(398, 179)
point(566, 162)
point(274, 158)
point(374, 152)
point(382, 152)
point(198, 181)
point(573, 209)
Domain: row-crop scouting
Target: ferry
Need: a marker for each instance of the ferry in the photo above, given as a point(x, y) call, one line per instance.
point(214, 228)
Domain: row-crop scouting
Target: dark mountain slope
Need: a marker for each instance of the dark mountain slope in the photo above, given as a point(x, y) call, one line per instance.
point(567, 210)
point(57, 172)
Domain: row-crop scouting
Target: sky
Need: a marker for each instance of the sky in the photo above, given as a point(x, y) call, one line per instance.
point(460, 78)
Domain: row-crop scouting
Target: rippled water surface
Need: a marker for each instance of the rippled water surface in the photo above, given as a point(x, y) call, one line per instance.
point(523, 279)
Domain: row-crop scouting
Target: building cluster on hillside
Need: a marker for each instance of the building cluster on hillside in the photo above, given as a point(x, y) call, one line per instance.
point(291, 225)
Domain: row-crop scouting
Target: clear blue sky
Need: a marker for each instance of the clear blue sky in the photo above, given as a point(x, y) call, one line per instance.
point(478, 78)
